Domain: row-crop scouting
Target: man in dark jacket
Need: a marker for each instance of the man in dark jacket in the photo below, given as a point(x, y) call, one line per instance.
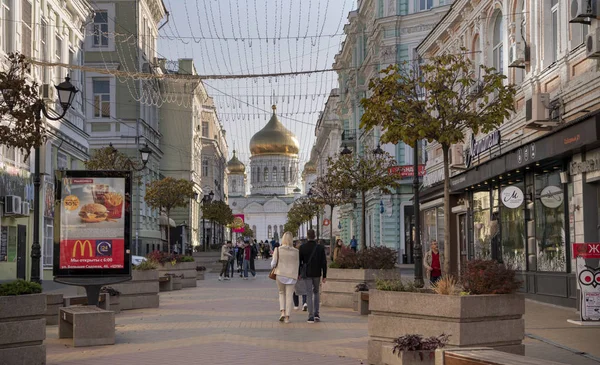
point(313, 265)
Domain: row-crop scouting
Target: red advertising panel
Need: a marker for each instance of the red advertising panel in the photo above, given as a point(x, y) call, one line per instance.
point(238, 223)
point(405, 171)
point(586, 250)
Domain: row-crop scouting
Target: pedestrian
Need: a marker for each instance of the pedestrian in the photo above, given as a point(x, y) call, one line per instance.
point(300, 288)
point(253, 255)
point(231, 259)
point(354, 244)
point(240, 256)
point(247, 254)
point(433, 263)
point(225, 255)
point(337, 249)
point(285, 262)
point(313, 266)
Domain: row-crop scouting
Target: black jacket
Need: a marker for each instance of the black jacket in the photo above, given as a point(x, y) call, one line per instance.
point(317, 267)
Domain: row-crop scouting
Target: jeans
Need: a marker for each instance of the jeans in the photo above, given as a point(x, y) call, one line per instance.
point(353, 249)
point(434, 279)
point(231, 267)
point(313, 297)
point(246, 267)
point(297, 300)
point(224, 268)
point(252, 269)
point(285, 297)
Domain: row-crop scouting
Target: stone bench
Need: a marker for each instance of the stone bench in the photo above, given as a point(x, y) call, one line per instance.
point(363, 303)
point(72, 300)
point(53, 304)
point(165, 283)
point(87, 326)
point(485, 356)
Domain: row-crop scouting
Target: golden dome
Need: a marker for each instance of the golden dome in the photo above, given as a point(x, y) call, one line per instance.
point(274, 139)
point(310, 168)
point(235, 166)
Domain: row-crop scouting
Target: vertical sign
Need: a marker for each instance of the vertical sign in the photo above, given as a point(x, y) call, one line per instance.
point(4, 243)
point(238, 224)
point(587, 257)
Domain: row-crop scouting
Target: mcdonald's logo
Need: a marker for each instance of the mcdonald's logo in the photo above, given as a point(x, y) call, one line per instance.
point(82, 246)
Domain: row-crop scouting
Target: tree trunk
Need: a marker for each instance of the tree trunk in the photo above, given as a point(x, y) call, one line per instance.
point(168, 232)
point(363, 232)
point(331, 238)
point(447, 243)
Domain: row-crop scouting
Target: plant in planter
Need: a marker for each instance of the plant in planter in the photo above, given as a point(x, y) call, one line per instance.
point(145, 265)
point(361, 287)
point(22, 323)
point(415, 347)
point(489, 277)
point(200, 272)
point(395, 285)
point(447, 285)
point(172, 263)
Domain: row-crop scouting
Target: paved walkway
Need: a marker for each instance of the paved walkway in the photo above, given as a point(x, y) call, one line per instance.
point(236, 322)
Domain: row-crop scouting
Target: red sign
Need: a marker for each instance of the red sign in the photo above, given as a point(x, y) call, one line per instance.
point(405, 171)
point(238, 224)
point(326, 222)
point(92, 254)
point(586, 250)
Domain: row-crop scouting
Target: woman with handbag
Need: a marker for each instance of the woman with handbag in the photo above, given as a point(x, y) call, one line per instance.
point(284, 271)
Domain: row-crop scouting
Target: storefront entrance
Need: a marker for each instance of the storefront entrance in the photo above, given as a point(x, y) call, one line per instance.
point(462, 239)
point(21, 252)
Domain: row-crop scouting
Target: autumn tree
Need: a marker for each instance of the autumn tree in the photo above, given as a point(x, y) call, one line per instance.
point(437, 101)
point(359, 174)
point(291, 227)
point(168, 194)
point(327, 190)
point(218, 212)
point(108, 158)
point(303, 210)
point(248, 232)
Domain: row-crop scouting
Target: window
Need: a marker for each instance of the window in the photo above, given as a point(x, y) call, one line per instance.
point(205, 167)
point(234, 185)
point(101, 95)
point(44, 50)
point(283, 175)
point(380, 8)
point(266, 174)
point(274, 173)
point(254, 231)
point(26, 13)
point(482, 244)
point(554, 16)
point(58, 50)
point(281, 229)
point(7, 27)
point(48, 245)
point(402, 7)
point(550, 223)
point(100, 29)
point(205, 129)
point(425, 4)
point(498, 44)
point(269, 232)
point(434, 228)
point(292, 175)
point(144, 36)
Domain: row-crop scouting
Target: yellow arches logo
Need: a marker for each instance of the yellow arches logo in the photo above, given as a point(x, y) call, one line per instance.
point(82, 246)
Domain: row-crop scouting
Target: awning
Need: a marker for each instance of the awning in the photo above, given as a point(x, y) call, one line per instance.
point(163, 221)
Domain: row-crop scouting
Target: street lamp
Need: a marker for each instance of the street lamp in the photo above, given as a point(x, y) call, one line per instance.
point(346, 151)
point(145, 153)
point(205, 199)
point(378, 150)
point(418, 248)
point(66, 95)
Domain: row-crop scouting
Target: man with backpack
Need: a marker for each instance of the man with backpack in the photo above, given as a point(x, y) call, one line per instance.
point(313, 265)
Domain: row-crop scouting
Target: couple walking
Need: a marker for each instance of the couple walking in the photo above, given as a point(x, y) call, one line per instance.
point(300, 271)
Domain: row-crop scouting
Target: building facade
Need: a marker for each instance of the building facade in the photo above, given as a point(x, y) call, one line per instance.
point(49, 33)
point(534, 191)
point(123, 111)
point(380, 33)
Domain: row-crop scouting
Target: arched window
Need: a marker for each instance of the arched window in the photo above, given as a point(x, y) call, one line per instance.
point(283, 175)
point(266, 174)
point(498, 44)
point(234, 185)
point(269, 232)
point(254, 231)
point(476, 57)
point(274, 173)
point(257, 173)
point(275, 230)
point(292, 174)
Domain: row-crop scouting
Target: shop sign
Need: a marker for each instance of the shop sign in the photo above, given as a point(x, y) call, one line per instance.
point(405, 171)
point(93, 216)
point(433, 177)
point(512, 197)
point(588, 165)
point(526, 154)
point(551, 196)
point(588, 280)
point(483, 145)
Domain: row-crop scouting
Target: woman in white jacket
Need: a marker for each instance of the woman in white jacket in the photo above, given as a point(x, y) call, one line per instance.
point(286, 261)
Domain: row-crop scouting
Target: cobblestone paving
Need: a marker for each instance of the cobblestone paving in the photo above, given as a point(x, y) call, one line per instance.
point(222, 323)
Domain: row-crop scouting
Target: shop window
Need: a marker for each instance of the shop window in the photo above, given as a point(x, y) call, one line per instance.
point(550, 234)
point(482, 236)
point(434, 228)
point(513, 237)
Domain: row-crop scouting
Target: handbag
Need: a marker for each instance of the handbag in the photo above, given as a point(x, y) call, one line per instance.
point(272, 274)
point(305, 265)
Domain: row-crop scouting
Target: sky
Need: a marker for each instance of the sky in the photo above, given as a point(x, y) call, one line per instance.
point(259, 37)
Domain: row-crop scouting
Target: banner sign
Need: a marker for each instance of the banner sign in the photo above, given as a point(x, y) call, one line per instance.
point(238, 223)
point(94, 220)
point(587, 256)
point(405, 171)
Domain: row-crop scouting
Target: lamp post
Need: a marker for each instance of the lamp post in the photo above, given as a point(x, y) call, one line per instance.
point(66, 94)
point(206, 199)
point(381, 211)
point(417, 249)
point(346, 151)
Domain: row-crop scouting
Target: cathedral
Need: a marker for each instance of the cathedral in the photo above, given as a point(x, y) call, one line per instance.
point(273, 176)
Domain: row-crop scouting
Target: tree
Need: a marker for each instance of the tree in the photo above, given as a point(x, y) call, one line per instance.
point(218, 212)
point(248, 232)
point(359, 174)
point(19, 126)
point(326, 190)
point(168, 194)
point(302, 211)
point(437, 101)
point(291, 227)
point(108, 158)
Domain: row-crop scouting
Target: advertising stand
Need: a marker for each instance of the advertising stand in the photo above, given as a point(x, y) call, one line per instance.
point(92, 228)
point(587, 258)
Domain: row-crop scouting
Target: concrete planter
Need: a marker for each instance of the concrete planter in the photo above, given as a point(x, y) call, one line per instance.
point(115, 303)
point(140, 292)
point(339, 290)
point(471, 321)
point(23, 329)
point(187, 269)
point(53, 304)
point(406, 357)
point(199, 275)
point(210, 260)
point(177, 282)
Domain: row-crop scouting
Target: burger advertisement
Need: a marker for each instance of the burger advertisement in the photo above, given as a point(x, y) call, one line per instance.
point(94, 214)
point(238, 223)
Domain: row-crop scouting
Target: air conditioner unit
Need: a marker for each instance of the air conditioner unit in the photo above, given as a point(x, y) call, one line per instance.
point(47, 92)
point(457, 155)
point(592, 44)
point(536, 108)
point(517, 55)
point(12, 205)
point(25, 208)
point(583, 10)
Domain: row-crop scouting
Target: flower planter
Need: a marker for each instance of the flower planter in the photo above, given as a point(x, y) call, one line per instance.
point(406, 357)
point(140, 292)
point(23, 329)
point(53, 304)
point(199, 275)
point(187, 269)
point(210, 260)
point(339, 290)
point(471, 321)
